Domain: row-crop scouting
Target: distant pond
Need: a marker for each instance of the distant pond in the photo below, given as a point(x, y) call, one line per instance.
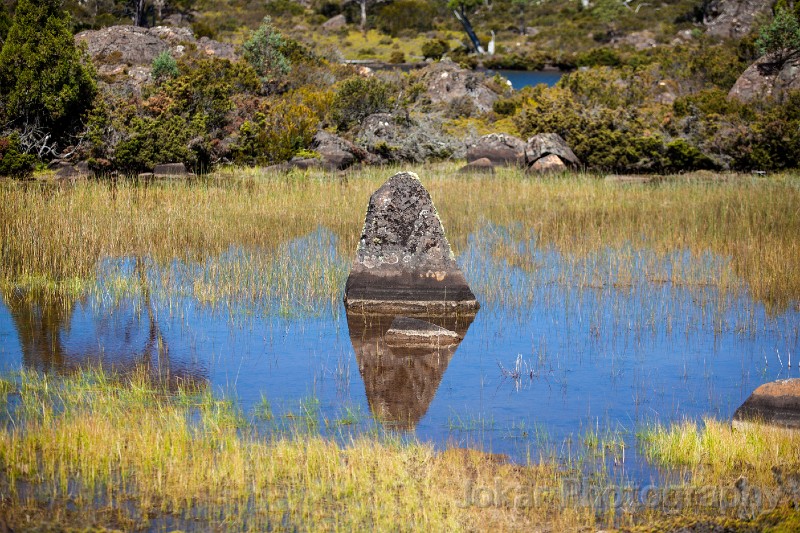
point(525, 78)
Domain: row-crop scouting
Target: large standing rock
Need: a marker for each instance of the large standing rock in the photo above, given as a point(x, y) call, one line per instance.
point(734, 19)
point(545, 144)
point(499, 148)
point(776, 403)
point(766, 79)
point(403, 262)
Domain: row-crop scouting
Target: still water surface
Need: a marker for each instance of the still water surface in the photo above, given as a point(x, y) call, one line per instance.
point(590, 357)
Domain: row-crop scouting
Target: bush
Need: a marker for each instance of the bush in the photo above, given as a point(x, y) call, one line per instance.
point(164, 66)
point(263, 52)
point(397, 57)
point(43, 80)
point(13, 161)
point(780, 39)
point(164, 139)
point(435, 48)
point(356, 98)
point(278, 132)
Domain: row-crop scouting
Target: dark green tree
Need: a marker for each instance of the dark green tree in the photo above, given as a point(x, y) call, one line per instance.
point(45, 88)
point(780, 38)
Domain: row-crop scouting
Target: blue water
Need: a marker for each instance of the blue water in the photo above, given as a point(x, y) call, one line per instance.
point(592, 358)
point(525, 78)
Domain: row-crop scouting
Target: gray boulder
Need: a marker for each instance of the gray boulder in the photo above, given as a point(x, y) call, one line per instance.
point(447, 83)
point(336, 153)
point(776, 403)
point(335, 23)
point(499, 148)
point(766, 79)
point(404, 263)
point(544, 144)
point(734, 19)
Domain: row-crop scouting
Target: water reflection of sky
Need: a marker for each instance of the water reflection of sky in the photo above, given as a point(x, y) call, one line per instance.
point(594, 359)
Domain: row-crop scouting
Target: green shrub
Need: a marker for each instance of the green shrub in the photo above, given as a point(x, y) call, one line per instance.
point(599, 57)
point(356, 98)
point(164, 139)
point(278, 132)
point(164, 66)
point(263, 52)
point(781, 37)
point(435, 48)
point(13, 161)
point(43, 79)
point(397, 57)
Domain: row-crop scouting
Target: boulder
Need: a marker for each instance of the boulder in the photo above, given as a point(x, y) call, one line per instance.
point(640, 40)
point(210, 47)
point(447, 83)
point(403, 262)
point(499, 148)
point(766, 79)
point(413, 332)
point(335, 23)
point(131, 45)
point(548, 164)
point(337, 153)
point(545, 144)
point(776, 403)
point(82, 167)
point(479, 166)
point(168, 170)
point(734, 19)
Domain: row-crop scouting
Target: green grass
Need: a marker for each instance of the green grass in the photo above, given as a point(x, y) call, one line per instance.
point(243, 235)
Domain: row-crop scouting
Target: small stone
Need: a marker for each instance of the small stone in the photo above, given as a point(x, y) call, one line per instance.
point(168, 170)
point(412, 332)
point(776, 403)
point(479, 166)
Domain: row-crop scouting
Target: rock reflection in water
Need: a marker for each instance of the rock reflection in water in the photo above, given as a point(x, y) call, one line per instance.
point(401, 382)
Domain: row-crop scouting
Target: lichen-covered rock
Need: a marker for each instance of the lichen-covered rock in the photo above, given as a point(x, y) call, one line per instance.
point(734, 19)
point(499, 148)
point(545, 144)
point(403, 262)
point(766, 79)
point(414, 139)
point(335, 23)
point(168, 170)
point(776, 403)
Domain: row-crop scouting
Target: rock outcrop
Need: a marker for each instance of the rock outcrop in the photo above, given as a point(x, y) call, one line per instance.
point(404, 263)
point(734, 19)
point(125, 53)
point(549, 144)
point(776, 403)
point(499, 148)
point(446, 82)
point(766, 79)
